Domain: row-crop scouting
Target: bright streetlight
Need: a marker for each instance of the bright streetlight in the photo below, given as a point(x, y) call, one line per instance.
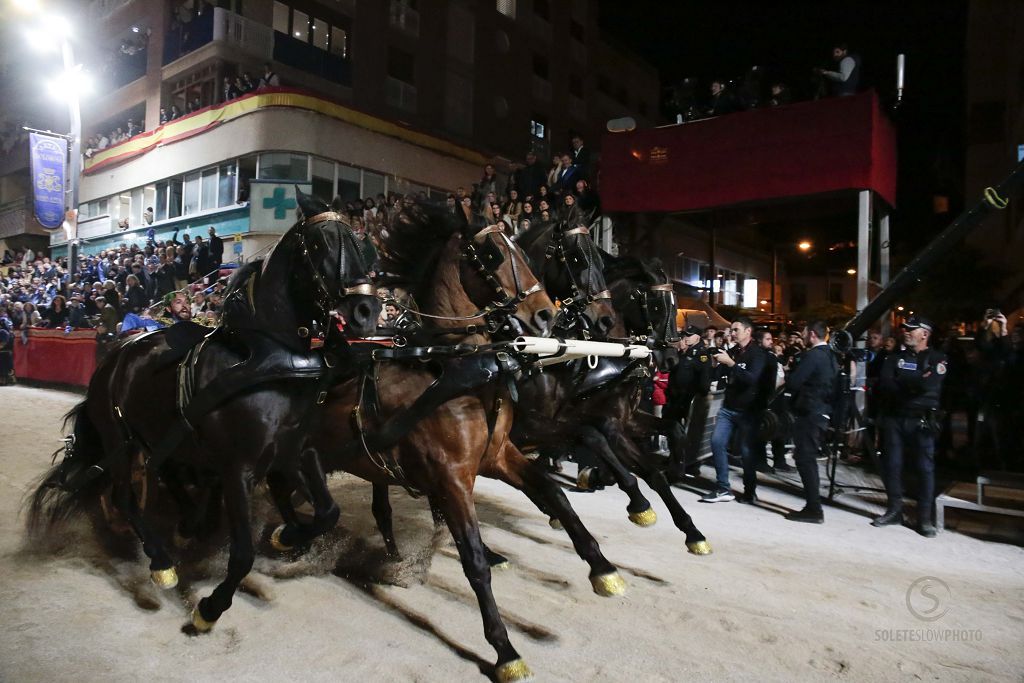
point(804, 245)
point(851, 271)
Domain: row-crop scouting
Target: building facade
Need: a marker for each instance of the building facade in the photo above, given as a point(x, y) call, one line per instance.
point(372, 97)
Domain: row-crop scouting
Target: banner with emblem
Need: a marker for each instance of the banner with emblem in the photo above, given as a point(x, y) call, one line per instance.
point(48, 156)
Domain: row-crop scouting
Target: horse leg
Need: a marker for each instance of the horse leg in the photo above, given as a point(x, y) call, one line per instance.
point(644, 464)
point(161, 567)
point(325, 511)
point(514, 469)
point(382, 514)
point(456, 504)
point(192, 512)
point(240, 559)
point(639, 508)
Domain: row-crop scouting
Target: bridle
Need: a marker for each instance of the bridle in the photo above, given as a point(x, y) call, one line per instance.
point(666, 336)
point(582, 295)
point(325, 299)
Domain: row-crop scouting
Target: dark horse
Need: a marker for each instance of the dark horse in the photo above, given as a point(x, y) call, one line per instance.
point(456, 272)
point(253, 387)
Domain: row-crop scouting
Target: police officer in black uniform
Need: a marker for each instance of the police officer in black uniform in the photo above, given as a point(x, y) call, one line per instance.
point(909, 387)
point(811, 385)
point(689, 379)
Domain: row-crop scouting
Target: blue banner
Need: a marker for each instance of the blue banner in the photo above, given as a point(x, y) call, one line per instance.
point(48, 155)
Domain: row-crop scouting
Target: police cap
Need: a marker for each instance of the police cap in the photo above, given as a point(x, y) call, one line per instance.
point(915, 321)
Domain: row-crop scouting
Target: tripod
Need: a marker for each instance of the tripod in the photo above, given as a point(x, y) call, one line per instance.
point(846, 434)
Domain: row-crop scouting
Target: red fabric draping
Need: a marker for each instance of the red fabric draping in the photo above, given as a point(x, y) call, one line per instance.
point(844, 143)
point(56, 356)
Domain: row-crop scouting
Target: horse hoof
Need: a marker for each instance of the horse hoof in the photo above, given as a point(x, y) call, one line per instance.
point(646, 518)
point(608, 585)
point(504, 564)
point(699, 548)
point(275, 540)
point(201, 625)
point(516, 670)
point(554, 523)
point(164, 578)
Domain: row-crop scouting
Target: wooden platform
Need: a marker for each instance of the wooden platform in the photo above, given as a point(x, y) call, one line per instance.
point(994, 495)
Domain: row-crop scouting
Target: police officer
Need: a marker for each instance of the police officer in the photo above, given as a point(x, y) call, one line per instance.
point(689, 379)
point(811, 387)
point(909, 386)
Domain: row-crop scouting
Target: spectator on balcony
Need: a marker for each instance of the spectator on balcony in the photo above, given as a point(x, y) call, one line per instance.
point(103, 142)
point(164, 118)
point(147, 215)
point(488, 182)
point(247, 85)
point(845, 81)
point(581, 157)
point(513, 206)
point(780, 95)
point(722, 99)
point(529, 178)
point(202, 265)
point(240, 87)
point(77, 314)
point(175, 113)
point(230, 90)
point(269, 78)
point(132, 129)
point(216, 246)
point(567, 176)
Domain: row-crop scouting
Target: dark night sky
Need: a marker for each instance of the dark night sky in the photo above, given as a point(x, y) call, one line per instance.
point(724, 38)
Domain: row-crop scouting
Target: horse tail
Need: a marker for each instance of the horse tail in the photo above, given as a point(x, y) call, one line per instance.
point(77, 479)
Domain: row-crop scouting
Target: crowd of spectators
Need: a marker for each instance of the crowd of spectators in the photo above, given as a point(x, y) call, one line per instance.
point(726, 96)
point(100, 141)
point(105, 288)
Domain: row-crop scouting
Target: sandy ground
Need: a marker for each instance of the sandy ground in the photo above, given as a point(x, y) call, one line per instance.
point(777, 601)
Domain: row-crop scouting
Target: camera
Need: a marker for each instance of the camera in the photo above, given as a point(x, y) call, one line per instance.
point(992, 313)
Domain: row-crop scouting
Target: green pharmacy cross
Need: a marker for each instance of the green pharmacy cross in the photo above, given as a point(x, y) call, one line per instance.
point(279, 203)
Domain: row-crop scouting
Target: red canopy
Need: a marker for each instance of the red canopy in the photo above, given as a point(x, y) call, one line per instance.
point(843, 143)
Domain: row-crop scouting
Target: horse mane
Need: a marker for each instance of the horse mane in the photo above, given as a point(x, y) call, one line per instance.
point(410, 245)
point(649, 271)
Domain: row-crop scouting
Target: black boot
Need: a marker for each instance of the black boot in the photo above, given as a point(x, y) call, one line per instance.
point(809, 515)
point(894, 515)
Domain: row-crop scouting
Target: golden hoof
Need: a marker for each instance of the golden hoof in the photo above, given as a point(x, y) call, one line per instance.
point(699, 548)
point(608, 585)
point(275, 540)
point(554, 523)
point(164, 578)
point(646, 518)
point(201, 625)
point(516, 670)
point(501, 565)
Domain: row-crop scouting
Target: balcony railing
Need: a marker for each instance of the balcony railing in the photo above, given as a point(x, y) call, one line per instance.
point(311, 59)
point(188, 37)
point(400, 94)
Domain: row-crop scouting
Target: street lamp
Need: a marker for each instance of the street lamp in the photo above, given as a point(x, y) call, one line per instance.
point(802, 245)
point(68, 86)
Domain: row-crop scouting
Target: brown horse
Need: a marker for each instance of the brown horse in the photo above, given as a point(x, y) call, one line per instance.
point(455, 276)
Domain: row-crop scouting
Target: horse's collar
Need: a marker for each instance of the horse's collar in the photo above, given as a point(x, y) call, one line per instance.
point(324, 217)
point(487, 231)
point(578, 230)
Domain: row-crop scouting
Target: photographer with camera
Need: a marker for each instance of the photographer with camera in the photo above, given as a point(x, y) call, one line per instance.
point(1000, 391)
point(910, 386)
point(743, 405)
point(811, 385)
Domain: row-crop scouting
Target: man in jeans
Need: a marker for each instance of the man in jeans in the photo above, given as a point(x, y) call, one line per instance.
point(745, 363)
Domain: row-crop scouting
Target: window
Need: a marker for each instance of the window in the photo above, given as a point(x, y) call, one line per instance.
point(323, 179)
point(339, 42)
point(576, 85)
point(373, 184)
point(300, 26)
point(542, 9)
point(348, 183)
point(538, 127)
point(226, 191)
point(281, 17)
point(246, 172)
point(507, 7)
point(401, 65)
point(174, 196)
point(404, 15)
point(576, 30)
point(283, 166)
point(208, 183)
point(321, 34)
point(191, 204)
point(135, 216)
point(540, 66)
point(461, 33)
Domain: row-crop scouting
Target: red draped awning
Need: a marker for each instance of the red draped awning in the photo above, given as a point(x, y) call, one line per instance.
point(843, 143)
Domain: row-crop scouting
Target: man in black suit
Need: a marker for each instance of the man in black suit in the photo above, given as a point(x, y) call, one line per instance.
point(530, 177)
point(568, 174)
point(216, 247)
point(581, 157)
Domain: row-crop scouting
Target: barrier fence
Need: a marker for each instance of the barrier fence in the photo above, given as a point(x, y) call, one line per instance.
point(56, 356)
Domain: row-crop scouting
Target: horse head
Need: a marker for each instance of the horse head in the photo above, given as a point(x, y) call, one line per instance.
point(646, 302)
point(571, 269)
point(332, 258)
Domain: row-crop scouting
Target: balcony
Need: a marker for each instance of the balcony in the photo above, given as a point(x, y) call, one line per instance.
point(219, 25)
point(311, 59)
point(16, 219)
point(400, 95)
point(404, 18)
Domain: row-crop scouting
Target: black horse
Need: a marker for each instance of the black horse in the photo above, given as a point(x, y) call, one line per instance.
point(233, 406)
